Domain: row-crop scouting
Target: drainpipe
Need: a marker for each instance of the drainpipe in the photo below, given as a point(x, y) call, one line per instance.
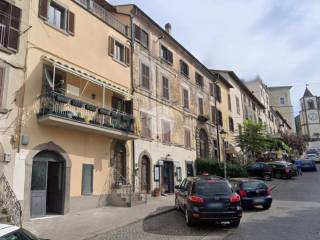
point(216, 121)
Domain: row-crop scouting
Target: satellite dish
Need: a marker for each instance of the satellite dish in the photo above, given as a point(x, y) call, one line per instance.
point(48, 77)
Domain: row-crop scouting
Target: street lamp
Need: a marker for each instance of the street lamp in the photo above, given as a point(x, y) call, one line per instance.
point(223, 134)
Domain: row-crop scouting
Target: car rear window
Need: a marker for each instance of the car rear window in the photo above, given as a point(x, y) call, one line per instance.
point(208, 189)
point(254, 185)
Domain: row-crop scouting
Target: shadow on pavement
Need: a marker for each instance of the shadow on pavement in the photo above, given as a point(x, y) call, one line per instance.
point(173, 224)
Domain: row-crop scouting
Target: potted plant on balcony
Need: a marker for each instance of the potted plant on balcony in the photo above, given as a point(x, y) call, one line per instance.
point(61, 98)
point(90, 107)
point(203, 118)
point(104, 111)
point(76, 103)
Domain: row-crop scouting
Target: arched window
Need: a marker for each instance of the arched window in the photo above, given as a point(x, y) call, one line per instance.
point(204, 145)
point(311, 104)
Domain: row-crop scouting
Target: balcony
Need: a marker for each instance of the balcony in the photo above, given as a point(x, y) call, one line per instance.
point(60, 110)
point(104, 15)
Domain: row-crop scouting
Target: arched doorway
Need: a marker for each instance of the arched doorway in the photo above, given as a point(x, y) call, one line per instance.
point(47, 184)
point(145, 174)
point(204, 144)
point(120, 172)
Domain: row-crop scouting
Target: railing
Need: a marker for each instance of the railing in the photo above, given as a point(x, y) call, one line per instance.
point(79, 111)
point(104, 15)
point(10, 201)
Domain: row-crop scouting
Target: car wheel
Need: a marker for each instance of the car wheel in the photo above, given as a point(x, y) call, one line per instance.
point(235, 223)
point(266, 206)
point(176, 204)
point(267, 177)
point(188, 218)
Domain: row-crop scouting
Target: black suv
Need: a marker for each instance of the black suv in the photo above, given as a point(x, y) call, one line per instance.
point(260, 170)
point(208, 198)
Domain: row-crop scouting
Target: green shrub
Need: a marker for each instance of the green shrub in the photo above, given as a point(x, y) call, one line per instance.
point(215, 168)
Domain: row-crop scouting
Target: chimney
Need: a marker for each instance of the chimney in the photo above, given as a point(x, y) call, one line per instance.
point(168, 28)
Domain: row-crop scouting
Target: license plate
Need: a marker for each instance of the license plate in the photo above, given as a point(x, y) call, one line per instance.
point(215, 205)
point(258, 200)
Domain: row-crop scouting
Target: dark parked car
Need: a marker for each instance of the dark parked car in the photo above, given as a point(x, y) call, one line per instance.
point(282, 169)
point(260, 170)
point(208, 198)
point(9, 232)
point(253, 192)
point(308, 165)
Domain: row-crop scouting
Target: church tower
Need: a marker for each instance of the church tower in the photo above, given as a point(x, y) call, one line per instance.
point(310, 115)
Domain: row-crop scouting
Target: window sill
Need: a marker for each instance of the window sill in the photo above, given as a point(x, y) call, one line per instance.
point(118, 61)
point(166, 61)
point(185, 76)
point(56, 28)
point(6, 50)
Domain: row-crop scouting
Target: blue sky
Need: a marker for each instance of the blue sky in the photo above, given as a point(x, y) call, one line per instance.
point(279, 40)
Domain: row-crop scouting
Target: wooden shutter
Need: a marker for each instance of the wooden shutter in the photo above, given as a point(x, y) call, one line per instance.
point(1, 85)
point(71, 23)
point(137, 32)
point(43, 9)
point(127, 56)
point(111, 46)
point(14, 28)
point(170, 56)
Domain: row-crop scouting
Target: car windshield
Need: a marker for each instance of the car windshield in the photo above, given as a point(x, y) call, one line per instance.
point(208, 189)
point(254, 185)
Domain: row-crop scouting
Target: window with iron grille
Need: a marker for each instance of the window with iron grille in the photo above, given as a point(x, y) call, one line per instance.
point(145, 125)
point(165, 88)
point(166, 131)
point(145, 76)
point(166, 55)
point(184, 68)
point(200, 106)
point(187, 138)
point(185, 98)
point(199, 80)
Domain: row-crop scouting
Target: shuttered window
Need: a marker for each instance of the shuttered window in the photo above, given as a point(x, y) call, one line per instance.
point(229, 103)
point(56, 15)
point(10, 21)
point(218, 93)
point(199, 80)
point(118, 51)
point(87, 179)
point(165, 88)
point(184, 68)
point(231, 124)
point(1, 86)
point(185, 98)
point(238, 105)
point(211, 90)
point(187, 138)
point(145, 76)
point(141, 36)
point(219, 118)
point(145, 125)
point(166, 55)
point(166, 131)
point(213, 114)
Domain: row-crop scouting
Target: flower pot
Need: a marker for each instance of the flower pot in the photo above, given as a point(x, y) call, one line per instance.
point(62, 99)
point(104, 111)
point(90, 107)
point(76, 103)
point(156, 192)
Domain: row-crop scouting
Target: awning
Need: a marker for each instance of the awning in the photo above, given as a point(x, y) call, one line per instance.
point(89, 77)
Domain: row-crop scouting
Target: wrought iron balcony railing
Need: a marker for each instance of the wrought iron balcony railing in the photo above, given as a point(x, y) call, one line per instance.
point(59, 105)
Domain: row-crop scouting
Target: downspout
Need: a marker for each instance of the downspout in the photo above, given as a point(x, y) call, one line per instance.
point(216, 120)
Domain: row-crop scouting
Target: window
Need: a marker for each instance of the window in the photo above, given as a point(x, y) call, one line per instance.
point(185, 98)
point(166, 55)
point(231, 125)
point(184, 68)
point(165, 88)
point(200, 106)
point(229, 102)
point(87, 179)
point(218, 93)
point(145, 125)
point(141, 36)
point(213, 114)
point(56, 15)
point(119, 52)
point(253, 107)
point(238, 105)
point(187, 138)
point(145, 76)
point(211, 90)
point(166, 131)
point(10, 21)
point(204, 144)
point(311, 104)
point(282, 100)
point(199, 80)
point(219, 118)
point(2, 91)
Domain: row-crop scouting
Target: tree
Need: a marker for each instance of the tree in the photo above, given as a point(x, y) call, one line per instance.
point(295, 142)
point(252, 138)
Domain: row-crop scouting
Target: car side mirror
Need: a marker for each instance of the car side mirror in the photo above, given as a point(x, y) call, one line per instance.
point(177, 187)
